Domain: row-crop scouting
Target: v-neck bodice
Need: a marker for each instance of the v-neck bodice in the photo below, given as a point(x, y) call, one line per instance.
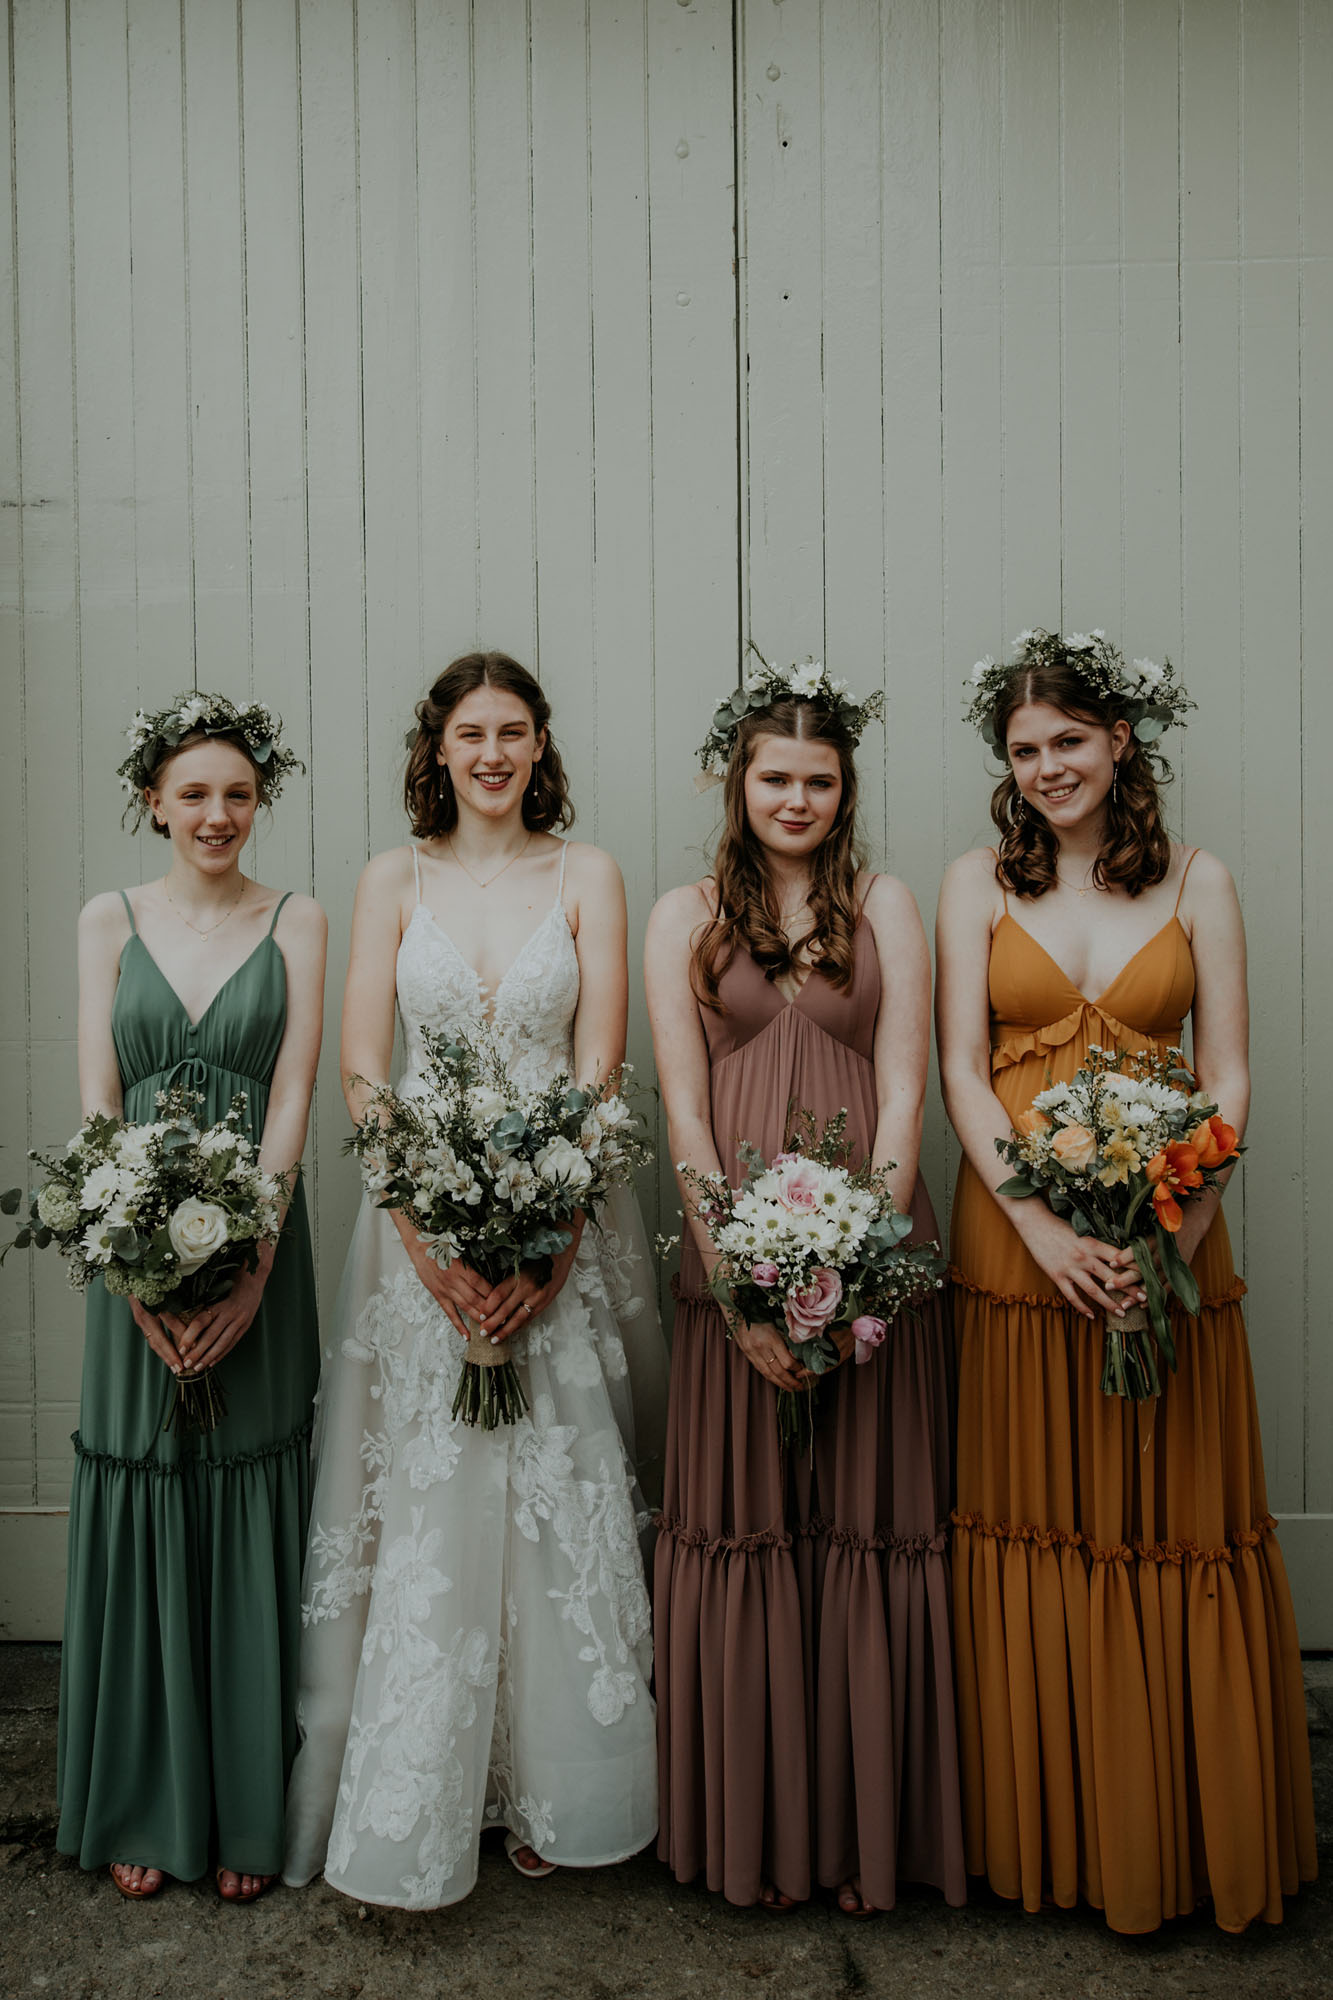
point(753, 1003)
point(232, 1046)
point(1035, 1004)
point(532, 1007)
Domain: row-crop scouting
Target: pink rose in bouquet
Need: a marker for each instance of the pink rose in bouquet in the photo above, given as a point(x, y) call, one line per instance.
point(868, 1332)
point(809, 1309)
point(765, 1273)
point(798, 1185)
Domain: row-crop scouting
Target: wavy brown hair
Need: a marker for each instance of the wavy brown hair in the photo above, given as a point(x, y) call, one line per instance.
point(428, 790)
point(1136, 848)
point(263, 775)
point(748, 910)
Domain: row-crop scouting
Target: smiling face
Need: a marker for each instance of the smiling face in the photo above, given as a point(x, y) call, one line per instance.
point(1063, 764)
point(793, 789)
point(206, 796)
point(489, 746)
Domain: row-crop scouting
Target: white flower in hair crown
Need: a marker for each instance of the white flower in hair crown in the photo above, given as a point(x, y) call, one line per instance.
point(1150, 697)
point(804, 680)
point(150, 737)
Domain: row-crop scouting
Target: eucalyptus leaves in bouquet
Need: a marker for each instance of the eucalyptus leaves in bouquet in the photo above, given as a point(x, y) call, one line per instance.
point(169, 1213)
point(494, 1175)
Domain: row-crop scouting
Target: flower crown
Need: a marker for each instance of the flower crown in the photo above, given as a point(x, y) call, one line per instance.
point(151, 737)
point(803, 681)
point(1148, 696)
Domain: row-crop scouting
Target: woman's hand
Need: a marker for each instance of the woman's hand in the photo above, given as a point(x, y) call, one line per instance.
point(765, 1349)
point(1095, 1278)
point(155, 1333)
point(514, 1301)
point(214, 1330)
point(456, 1288)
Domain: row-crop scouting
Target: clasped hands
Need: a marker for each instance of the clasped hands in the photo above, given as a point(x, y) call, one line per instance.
point(202, 1341)
point(501, 1309)
point(766, 1350)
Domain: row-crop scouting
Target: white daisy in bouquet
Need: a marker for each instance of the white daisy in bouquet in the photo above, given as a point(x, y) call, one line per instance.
point(495, 1175)
point(1116, 1151)
point(169, 1212)
point(814, 1247)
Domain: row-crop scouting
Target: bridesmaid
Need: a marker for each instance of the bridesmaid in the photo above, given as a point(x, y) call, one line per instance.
point(1131, 1711)
point(178, 1674)
point(804, 1679)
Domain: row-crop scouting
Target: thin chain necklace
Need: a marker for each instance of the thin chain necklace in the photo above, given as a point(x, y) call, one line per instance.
point(233, 905)
point(1089, 886)
point(499, 871)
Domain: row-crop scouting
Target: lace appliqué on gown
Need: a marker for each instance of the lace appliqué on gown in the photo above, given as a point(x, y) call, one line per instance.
point(495, 1579)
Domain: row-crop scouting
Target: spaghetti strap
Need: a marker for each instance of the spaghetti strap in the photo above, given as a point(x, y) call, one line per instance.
point(416, 869)
point(278, 912)
point(129, 911)
point(1184, 878)
point(560, 885)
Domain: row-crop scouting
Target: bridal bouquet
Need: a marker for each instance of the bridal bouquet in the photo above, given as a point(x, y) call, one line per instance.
point(168, 1213)
point(814, 1247)
point(1116, 1150)
point(494, 1175)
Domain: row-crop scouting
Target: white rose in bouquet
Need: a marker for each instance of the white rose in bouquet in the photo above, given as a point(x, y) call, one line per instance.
point(486, 1107)
point(562, 1164)
point(196, 1229)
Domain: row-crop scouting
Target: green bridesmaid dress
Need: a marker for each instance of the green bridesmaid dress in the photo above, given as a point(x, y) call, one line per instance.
point(182, 1611)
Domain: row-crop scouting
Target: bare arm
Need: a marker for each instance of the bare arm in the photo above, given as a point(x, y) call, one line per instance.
point(366, 1042)
point(902, 1031)
point(681, 1051)
point(596, 894)
point(1220, 1016)
point(103, 931)
point(1092, 1276)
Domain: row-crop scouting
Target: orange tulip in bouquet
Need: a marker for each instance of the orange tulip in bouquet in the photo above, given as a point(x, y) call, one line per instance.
point(1117, 1151)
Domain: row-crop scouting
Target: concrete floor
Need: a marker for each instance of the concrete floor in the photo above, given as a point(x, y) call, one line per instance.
point(627, 1933)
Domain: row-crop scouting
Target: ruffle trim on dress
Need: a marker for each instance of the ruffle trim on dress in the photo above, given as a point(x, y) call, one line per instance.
point(1233, 1294)
point(816, 1530)
point(1015, 1043)
point(163, 1470)
point(1117, 1552)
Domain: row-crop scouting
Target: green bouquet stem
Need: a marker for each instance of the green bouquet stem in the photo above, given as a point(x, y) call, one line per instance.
point(796, 1418)
point(200, 1404)
point(489, 1392)
point(1129, 1357)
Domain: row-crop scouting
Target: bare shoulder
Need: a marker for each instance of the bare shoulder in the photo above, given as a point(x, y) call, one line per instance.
point(969, 886)
point(302, 919)
point(1208, 876)
point(591, 870)
point(104, 919)
point(888, 900)
point(678, 914)
point(389, 873)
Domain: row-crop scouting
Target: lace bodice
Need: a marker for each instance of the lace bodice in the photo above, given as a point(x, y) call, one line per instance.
point(532, 1008)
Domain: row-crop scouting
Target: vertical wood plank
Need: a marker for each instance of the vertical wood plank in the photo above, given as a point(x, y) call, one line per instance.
point(340, 805)
point(387, 197)
point(53, 817)
point(922, 728)
point(1270, 584)
point(502, 275)
point(782, 284)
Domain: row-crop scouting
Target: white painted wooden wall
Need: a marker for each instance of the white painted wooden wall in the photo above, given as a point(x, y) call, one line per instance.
point(340, 337)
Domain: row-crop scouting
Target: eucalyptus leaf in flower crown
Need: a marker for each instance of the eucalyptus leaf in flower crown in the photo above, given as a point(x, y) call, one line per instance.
point(804, 680)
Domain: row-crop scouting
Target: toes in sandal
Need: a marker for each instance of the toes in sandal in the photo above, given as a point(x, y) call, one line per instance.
point(514, 1846)
point(264, 1882)
point(141, 1894)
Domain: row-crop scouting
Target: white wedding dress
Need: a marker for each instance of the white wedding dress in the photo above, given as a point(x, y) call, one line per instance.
point(476, 1646)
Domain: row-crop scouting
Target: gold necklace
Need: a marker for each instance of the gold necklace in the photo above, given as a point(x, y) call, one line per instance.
point(499, 871)
point(233, 905)
point(1089, 886)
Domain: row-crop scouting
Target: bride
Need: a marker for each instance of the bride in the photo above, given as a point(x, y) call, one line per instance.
point(476, 1630)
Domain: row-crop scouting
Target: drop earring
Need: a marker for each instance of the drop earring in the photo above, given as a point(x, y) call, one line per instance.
point(1115, 783)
